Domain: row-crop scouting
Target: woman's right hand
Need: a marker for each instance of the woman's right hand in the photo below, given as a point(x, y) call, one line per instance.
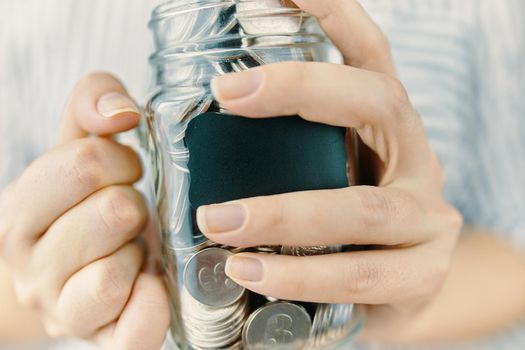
point(69, 228)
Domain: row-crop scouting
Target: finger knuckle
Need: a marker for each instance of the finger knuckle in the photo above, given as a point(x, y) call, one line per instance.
point(13, 242)
point(109, 288)
point(397, 101)
point(87, 163)
point(28, 295)
point(378, 209)
point(361, 278)
point(122, 209)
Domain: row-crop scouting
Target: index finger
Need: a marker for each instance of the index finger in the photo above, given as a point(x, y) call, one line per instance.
point(99, 104)
point(355, 34)
point(59, 180)
point(354, 215)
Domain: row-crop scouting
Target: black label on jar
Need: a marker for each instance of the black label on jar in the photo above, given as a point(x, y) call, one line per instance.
point(232, 157)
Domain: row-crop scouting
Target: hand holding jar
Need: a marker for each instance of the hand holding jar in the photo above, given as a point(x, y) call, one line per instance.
point(405, 217)
point(70, 228)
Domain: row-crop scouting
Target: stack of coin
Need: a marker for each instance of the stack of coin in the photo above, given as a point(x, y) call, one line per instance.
point(214, 308)
point(332, 322)
point(279, 325)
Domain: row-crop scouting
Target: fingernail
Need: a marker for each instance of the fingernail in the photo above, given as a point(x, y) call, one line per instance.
point(115, 103)
point(244, 268)
point(220, 218)
point(236, 85)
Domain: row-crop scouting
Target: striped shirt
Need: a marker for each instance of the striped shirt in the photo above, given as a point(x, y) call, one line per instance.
point(462, 62)
point(463, 65)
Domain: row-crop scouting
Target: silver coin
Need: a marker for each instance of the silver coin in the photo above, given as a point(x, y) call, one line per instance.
point(259, 249)
point(215, 335)
point(196, 321)
point(269, 17)
point(309, 251)
point(215, 341)
point(203, 314)
point(268, 249)
point(332, 322)
point(279, 325)
point(271, 299)
point(235, 346)
point(217, 338)
point(206, 280)
point(208, 327)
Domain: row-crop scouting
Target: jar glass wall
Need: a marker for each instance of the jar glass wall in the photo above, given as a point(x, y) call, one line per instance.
point(196, 41)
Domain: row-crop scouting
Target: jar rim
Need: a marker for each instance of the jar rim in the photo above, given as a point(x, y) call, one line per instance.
point(173, 8)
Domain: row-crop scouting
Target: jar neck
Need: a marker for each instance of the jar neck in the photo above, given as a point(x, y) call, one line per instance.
point(196, 64)
point(200, 39)
point(180, 21)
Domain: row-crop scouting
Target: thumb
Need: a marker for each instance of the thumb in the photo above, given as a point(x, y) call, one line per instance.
point(100, 105)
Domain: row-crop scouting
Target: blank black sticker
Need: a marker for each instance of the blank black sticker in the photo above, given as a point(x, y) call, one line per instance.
point(233, 157)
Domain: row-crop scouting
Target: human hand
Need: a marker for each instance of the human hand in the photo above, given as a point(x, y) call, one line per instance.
point(405, 217)
point(69, 227)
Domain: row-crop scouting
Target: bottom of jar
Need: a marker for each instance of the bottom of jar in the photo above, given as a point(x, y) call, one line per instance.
point(332, 337)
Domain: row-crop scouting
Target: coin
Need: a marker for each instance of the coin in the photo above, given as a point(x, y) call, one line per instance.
point(268, 249)
point(206, 280)
point(259, 249)
point(279, 325)
point(209, 327)
point(203, 314)
point(332, 322)
point(308, 251)
point(269, 17)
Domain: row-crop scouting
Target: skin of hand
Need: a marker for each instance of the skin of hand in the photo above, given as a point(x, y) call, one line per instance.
point(405, 216)
point(482, 295)
point(18, 325)
point(70, 226)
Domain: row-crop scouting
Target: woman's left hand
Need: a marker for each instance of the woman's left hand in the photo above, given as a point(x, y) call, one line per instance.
point(405, 216)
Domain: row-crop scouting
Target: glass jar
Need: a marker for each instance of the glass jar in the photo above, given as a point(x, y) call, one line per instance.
point(196, 147)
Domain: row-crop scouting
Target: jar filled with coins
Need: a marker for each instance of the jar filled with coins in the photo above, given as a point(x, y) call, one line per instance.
point(201, 154)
